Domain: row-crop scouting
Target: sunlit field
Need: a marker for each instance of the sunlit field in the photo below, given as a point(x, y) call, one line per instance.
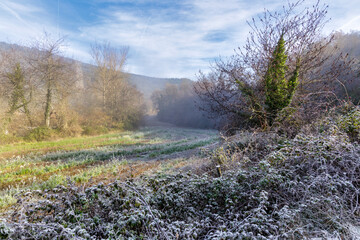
point(104, 158)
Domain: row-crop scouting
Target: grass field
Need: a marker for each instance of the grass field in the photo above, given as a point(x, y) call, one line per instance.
point(89, 160)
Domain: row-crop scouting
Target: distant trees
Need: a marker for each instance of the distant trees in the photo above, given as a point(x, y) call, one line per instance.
point(121, 101)
point(44, 94)
point(178, 104)
point(349, 44)
point(55, 75)
point(281, 71)
point(16, 86)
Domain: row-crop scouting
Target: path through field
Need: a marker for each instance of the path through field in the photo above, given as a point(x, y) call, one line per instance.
point(89, 160)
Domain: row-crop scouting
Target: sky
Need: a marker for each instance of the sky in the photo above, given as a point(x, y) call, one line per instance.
point(166, 38)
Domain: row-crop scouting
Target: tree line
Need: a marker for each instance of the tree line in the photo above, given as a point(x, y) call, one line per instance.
point(43, 94)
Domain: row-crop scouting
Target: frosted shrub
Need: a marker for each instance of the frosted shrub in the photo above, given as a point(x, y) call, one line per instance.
point(290, 189)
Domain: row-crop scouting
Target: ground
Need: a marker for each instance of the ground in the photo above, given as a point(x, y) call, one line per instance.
point(159, 147)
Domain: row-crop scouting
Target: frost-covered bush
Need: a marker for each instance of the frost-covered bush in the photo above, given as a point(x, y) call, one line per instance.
point(350, 123)
point(95, 213)
point(307, 187)
point(296, 188)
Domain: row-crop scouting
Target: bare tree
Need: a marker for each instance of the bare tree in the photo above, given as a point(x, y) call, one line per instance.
point(236, 87)
point(55, 74)
point(119, 99)
point(110, 64)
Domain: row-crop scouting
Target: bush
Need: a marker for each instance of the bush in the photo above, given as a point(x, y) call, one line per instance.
point(72, 130)
point(8, 138)
point(94, 130)
point(350, 123)
point(41, 134)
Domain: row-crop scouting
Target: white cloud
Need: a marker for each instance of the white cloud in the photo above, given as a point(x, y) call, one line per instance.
point(18, 23)
point(24, 8)
point(344, 15)
point(164, 42)
point(352, 24)
point(178, 48)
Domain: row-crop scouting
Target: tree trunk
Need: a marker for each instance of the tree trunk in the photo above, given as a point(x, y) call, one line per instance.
point(27, 113)
point(104, 98)
point(48, 106)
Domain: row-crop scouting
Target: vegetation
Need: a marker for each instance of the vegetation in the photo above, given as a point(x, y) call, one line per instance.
point(120, 101)
point(43, 165)
point(278, 90)
point(250, 89)
point(48, 90)
point(348, 44)
point(287, 165)
point(17, 95)
point(297, 188)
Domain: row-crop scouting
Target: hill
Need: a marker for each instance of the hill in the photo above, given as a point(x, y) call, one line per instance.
point(146, 85)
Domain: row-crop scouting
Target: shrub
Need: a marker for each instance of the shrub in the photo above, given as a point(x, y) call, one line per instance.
point(94, 130)
point(41, 134)
point(291, 189)
point(8, 138)
point(350, 123)
point(279, 90)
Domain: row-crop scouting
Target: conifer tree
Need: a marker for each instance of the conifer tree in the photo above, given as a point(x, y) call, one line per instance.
point(17, 98)
point(279, 90)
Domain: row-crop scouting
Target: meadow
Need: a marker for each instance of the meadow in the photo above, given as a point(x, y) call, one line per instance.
point(89, 160)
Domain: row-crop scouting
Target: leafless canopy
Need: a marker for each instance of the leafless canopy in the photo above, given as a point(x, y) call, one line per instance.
point(301, 29)
point(120, 100)
point(54, 72)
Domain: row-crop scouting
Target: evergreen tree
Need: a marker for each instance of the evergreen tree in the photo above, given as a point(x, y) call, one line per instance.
point(17, 98)
point(278, 90)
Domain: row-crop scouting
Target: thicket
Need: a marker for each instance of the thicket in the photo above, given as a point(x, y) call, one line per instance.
point(287, 74)
point(44, 95)
point(271, 187)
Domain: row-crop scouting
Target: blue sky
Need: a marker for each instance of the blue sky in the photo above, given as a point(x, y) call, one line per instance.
point(166, 38)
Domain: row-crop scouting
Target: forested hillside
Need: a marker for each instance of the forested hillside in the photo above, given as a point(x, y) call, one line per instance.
point(69, 97)
point(146, 85)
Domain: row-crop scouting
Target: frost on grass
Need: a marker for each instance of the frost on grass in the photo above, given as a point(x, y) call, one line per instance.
point(306, 187)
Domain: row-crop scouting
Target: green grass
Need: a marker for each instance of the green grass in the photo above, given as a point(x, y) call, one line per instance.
point(78, 143)
point(85, 160)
